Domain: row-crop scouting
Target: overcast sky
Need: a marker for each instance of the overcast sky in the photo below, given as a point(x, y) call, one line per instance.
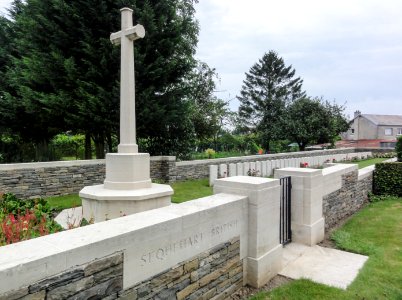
point(345, 50)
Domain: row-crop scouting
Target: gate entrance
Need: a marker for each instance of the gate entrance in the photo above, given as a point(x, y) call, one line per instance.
point(285, 230)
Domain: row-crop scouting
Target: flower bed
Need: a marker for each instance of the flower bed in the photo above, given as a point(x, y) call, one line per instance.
point(24, 219)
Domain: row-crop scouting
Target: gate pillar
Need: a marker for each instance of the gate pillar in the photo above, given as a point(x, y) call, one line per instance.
point(264, 252)
point(307, 220)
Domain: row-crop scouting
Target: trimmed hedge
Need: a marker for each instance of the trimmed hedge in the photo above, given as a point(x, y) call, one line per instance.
point(388, 179)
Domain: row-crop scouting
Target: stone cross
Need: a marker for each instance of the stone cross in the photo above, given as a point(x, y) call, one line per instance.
point(126, 37)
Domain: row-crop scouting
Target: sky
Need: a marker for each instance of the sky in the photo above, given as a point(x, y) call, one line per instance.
point(347, 51)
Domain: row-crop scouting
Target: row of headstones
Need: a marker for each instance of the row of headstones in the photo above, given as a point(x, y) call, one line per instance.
point(266, 168)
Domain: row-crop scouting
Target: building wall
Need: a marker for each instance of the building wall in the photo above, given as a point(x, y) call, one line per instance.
point(366, 130)
point(381, 132)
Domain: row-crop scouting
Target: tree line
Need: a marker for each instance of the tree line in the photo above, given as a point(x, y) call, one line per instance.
point(59, 73)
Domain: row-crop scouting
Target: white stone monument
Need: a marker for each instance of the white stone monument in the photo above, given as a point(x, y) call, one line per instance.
point(127, 188)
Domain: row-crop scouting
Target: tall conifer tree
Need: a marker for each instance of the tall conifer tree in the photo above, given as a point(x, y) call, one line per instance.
point(269, 86)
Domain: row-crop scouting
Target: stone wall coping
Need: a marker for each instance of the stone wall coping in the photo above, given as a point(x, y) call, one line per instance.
point(259, 157)
point(366, 172)
point(339, 169)
point(163, 158)
point(50, 164)
point(26, 262)
point(247, 182)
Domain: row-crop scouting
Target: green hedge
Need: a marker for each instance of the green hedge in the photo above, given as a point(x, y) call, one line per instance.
point(388, 179)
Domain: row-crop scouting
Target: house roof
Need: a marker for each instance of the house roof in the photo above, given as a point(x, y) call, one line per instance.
point(387, 120)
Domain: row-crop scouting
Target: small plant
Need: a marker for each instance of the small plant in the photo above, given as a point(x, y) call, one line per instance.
point(303, 165)
point(252, 172)
point(210, 153)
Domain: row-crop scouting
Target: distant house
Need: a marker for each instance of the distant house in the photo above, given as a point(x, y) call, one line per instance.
point(383, 129)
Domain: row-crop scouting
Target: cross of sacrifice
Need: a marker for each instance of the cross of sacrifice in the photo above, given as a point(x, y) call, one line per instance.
point(126, 37)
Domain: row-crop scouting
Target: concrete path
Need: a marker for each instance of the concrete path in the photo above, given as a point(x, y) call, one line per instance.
point(323, 265)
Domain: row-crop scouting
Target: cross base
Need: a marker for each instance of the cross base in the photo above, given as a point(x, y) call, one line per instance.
point(101, 204)
point(127, 148)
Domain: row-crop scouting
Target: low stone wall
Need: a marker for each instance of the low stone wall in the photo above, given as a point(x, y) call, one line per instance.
point(33, 180)
point(216, 273)
point(347, 200)
point(175, 252)
point(197, 169)
point(100, 279)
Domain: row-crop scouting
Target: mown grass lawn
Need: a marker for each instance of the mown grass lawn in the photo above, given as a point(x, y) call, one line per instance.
point(367, 162)
point(63, 202)
point(190, 189)
point(375, 231)
point(183, 191)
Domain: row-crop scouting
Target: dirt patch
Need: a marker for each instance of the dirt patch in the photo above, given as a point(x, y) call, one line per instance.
point(247, 291)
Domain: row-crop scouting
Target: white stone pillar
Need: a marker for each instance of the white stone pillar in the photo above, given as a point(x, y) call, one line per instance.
point(306, 207)
point(264, 258)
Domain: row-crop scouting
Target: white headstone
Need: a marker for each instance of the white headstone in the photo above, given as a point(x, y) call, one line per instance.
point(240, 169)
point(213, 174)
point(232, 170)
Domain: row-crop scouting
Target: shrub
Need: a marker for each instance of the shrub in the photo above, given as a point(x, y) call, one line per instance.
point(24, 219)
point(210, 153)
point(384, 154)
point(388, 179)
point(398, 149)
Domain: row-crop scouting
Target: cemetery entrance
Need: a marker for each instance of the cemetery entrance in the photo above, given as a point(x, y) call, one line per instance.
point(285, 230)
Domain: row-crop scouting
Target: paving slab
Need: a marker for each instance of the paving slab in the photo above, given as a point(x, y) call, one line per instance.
point(322, 265)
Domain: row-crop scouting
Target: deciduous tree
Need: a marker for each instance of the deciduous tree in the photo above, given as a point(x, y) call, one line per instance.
point(312, 121)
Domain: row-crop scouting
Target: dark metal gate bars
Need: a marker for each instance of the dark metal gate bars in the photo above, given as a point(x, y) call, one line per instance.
point(285, 233)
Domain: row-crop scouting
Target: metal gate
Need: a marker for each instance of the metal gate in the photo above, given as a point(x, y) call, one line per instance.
point(285, 232)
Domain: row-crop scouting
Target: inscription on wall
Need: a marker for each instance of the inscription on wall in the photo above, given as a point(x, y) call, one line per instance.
point(190, 241)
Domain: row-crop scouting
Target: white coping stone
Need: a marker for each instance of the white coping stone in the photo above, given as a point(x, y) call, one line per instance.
point(366, 172)
point(152, 241)
point(240, 169)
point(213, 174)
point(333, 176)
point(223, 170)
point(232, 170)
point(53, 164)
